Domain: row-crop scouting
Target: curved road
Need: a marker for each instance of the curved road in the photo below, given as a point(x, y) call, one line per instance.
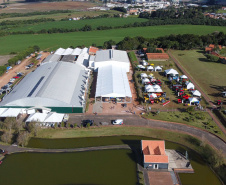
point(135, 120)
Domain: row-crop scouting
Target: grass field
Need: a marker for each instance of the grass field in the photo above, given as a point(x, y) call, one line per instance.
point(53, 41)
point(209, 75)
point(79, 24)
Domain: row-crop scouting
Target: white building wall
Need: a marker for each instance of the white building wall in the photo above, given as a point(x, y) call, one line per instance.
point(125, 65)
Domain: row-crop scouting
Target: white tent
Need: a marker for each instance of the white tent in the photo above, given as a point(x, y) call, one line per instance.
point(145, 63)
point(145, 80)
point(171, 72)
point(143, 75)
point(11, 112)
point(140, 67)
point(37, 117)
point(150, 68)
point(112, 81)
point(158, 90)
point(158, 68)
point(190, 85)
point(156, 86)
point(149, 88)
point(196, 93)
point(183, 77)
point(59, 51)
point(54, 117)
point(152, 95)
point(193, 100)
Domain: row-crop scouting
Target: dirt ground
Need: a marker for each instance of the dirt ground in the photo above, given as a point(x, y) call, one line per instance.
point(160, 178)
point(4, 59)
point(4, 79)
point(46, 6)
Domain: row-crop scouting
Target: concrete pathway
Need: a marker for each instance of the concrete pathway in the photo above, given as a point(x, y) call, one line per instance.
point(15, 149)
point(135, 120)
point(200, 90)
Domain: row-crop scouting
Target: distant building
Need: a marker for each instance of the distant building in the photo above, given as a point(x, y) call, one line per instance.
point(211, 47)
point(154, 154)
point(93, 50)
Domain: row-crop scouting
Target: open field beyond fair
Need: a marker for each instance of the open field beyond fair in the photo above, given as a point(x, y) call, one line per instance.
point(209, 75)
point(16, 43)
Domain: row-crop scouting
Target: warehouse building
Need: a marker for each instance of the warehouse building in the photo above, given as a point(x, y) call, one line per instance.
point(56, 86)
point(108, 57)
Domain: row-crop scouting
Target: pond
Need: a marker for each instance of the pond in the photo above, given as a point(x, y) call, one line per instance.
point(88, 165)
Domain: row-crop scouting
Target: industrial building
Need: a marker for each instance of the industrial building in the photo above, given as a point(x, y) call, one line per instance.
point(56, 86)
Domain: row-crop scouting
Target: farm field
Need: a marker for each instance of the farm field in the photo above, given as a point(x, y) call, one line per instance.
point(94, 23)
point(23, 7)
point(16, 43)
point(59, 16)
point(209, 75)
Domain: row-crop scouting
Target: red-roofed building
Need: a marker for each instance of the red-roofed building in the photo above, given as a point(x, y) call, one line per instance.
point(211, 48)
point(154, 154)
point(157, 56)
point(93, 50)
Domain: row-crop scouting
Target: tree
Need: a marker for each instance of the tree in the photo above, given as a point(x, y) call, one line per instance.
point(33, 128)
point(17, 126)
point(9, 122)
point(190, 109)
point(23, 138)
point(7, 137)
point(212, 58)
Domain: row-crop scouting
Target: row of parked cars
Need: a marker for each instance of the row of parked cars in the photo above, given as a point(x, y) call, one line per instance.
point(7, 88)
point(29, 66)
point(91, 122)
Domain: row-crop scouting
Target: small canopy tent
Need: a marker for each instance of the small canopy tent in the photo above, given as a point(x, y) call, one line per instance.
point(150, 68)
point(156, 87)
point(11, 112)
point(144, 63)
point(196, 93)
point(171, 72)
point(158, 90)
point(193, 100)
point(149, 88)
point(140, 67)
point(145, 80)
point(183, 77)
point(158, 68)
point(190, 85)
point(143, 75)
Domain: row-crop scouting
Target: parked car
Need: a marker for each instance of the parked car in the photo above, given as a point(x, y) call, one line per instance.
point(117, 122)
point(12, 80)
point(86, 122)
point(16, 77)
point(9, 84)
point(2, 151)
point(66, 117)
point(1, 91)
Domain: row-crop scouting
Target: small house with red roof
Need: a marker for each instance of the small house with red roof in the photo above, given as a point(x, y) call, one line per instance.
point(93, 50)
point(211, 47)
point(154, 154)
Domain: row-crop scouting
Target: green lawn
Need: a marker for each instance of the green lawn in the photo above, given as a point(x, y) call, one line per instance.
point(79, 24)
point(209, 75)
point(53, 41)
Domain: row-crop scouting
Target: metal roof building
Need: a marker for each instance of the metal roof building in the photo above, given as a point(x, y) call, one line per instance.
point(59, 86)
point(106, 57)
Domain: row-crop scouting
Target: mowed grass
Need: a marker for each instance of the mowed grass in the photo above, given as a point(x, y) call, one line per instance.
point(94, 23)
point(209, 75)
point(16, 43)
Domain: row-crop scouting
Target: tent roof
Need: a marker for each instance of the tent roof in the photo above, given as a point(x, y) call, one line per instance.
point(152, 95)
point(39, 117)
point(145, 80)
point(150, 67)
point(143, 75)
point(192, 99)
point(54, 117)
point(156, 86)
point(171, 71)
point(112, 81)
point(158, 67)
point(183, 76)
point(10, 112)
point(59, 51)
point(196, 93)
point(141, 66)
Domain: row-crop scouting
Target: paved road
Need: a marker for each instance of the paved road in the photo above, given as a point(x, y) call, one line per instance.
point(16, 149)
point(135, 120)
point(201, 91)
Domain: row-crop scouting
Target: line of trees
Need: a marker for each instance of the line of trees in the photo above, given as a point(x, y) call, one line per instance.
point(181, 42)
point(29, 21)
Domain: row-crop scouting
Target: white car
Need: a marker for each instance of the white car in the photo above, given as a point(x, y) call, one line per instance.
point(12, 80)
point(117, 122)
